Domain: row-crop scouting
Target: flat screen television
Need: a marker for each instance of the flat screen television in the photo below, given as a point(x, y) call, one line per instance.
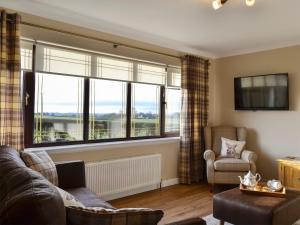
point(263, 92)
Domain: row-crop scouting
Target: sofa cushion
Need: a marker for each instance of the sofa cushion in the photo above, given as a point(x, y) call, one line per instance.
point(88, 198)
point(68, 199)
point(26, 197)
point(41, 162)
point(217, 133)
point(231, 164)
point(126, 216)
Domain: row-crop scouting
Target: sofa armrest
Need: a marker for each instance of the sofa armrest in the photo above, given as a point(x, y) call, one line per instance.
point(249, 156)
point(71, 174)
point(191, 221)
point(209, 155)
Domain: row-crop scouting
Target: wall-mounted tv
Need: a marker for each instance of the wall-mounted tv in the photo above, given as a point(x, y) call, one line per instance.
point(263, 92)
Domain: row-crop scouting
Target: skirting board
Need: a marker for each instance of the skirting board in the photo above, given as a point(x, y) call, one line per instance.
point(164, 183)
point(169, 182)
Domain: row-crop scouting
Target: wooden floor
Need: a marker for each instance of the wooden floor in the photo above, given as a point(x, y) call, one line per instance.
point(177, 202)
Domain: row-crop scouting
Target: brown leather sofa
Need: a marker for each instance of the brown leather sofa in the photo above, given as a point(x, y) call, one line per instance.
point(26, 198)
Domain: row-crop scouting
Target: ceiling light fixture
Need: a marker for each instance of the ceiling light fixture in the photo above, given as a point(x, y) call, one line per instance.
point(250, 2)
point(216, 4)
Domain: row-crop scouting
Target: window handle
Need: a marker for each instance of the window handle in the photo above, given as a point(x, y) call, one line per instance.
point(165, 104)
point(27, 96)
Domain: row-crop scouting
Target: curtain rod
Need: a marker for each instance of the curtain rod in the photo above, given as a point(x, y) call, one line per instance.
point(115, 44)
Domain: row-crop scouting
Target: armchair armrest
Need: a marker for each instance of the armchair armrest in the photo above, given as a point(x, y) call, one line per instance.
point(249, 156)
point(71, 174)
point(192, 221)
point(209, 155)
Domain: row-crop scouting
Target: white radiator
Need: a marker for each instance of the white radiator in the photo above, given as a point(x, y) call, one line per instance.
point(111, 179)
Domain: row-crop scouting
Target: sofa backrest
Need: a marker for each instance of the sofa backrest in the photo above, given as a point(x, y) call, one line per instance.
point(213, 136)
point(26, 198)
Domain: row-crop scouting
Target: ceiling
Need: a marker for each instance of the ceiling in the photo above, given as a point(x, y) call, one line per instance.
point(190, 26)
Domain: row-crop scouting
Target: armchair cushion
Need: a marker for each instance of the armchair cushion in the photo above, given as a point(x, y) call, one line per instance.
point(217, 133)
point(232, 148)
point(231, 164)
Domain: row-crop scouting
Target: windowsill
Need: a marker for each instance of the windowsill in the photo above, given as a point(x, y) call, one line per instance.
point(105, 146)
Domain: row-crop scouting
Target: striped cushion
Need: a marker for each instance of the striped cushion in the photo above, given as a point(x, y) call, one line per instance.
point(69, 200)
point(103, 216)
point(41, 162)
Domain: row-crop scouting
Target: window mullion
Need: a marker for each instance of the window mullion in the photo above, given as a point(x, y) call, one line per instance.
point(162, 110)
point(128, 111)
point(86, 101)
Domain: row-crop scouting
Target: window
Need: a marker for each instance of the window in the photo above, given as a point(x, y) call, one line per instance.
point(75, 96)
point(62, 61)
point(107, 117)
point(173, 108)
point(114, 69)
point(58, 113)
point(151, 74)
point(145, 110)
point(26, 56)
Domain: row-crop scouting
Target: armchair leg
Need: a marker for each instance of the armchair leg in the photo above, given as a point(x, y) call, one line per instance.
point(211, 188)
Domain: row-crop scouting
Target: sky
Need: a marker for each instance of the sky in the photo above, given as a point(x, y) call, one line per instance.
point(63, 93)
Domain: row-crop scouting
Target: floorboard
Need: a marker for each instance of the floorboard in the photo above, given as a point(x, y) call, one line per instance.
point(177, 202)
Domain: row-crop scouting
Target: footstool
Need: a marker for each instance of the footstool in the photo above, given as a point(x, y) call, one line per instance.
point(238, 208)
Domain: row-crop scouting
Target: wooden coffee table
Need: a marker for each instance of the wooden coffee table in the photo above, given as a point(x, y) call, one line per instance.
point(238, 208)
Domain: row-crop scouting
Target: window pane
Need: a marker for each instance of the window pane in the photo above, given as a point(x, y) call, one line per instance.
point(58, 114)
point(174, 77)
point(114, 69)
point(55, 60)
point(26, 56)
point(145, 112)
point(107, 109)
point(173, 108)
point(151, 74)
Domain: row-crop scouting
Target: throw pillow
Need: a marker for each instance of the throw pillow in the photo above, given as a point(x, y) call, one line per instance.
point(41, 162)
point(232, 148)
point(68, 199)
point(126, 216)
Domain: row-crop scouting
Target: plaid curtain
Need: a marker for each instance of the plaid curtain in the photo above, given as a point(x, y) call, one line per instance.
point(194, 86)
point(11, 119)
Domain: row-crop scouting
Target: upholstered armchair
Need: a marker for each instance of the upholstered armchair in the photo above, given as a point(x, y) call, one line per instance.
point(222, 170)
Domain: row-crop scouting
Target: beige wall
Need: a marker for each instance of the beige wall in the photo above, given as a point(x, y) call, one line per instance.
point(41, 34)
point(169, 152)
point(272, 134)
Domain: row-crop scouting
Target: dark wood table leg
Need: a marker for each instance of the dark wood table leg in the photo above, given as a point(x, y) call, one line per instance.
point(222, 222)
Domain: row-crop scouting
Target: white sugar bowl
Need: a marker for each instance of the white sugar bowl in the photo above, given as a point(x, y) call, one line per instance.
point(274, 185)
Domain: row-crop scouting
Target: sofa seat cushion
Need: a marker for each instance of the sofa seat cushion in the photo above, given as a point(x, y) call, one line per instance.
point(88, 198)
point(231, 164)
point(126, 216)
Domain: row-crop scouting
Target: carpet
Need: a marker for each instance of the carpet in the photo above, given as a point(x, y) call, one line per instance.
point(210, 220)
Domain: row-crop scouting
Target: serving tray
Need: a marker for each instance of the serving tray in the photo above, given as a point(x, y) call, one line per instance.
point(264, 190)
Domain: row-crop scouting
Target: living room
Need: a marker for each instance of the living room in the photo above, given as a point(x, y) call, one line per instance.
point(155, 87)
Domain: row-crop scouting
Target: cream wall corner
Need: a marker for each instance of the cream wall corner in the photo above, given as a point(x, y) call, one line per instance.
point(272, 134)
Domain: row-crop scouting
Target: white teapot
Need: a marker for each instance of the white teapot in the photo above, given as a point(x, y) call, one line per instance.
point(250, 180)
